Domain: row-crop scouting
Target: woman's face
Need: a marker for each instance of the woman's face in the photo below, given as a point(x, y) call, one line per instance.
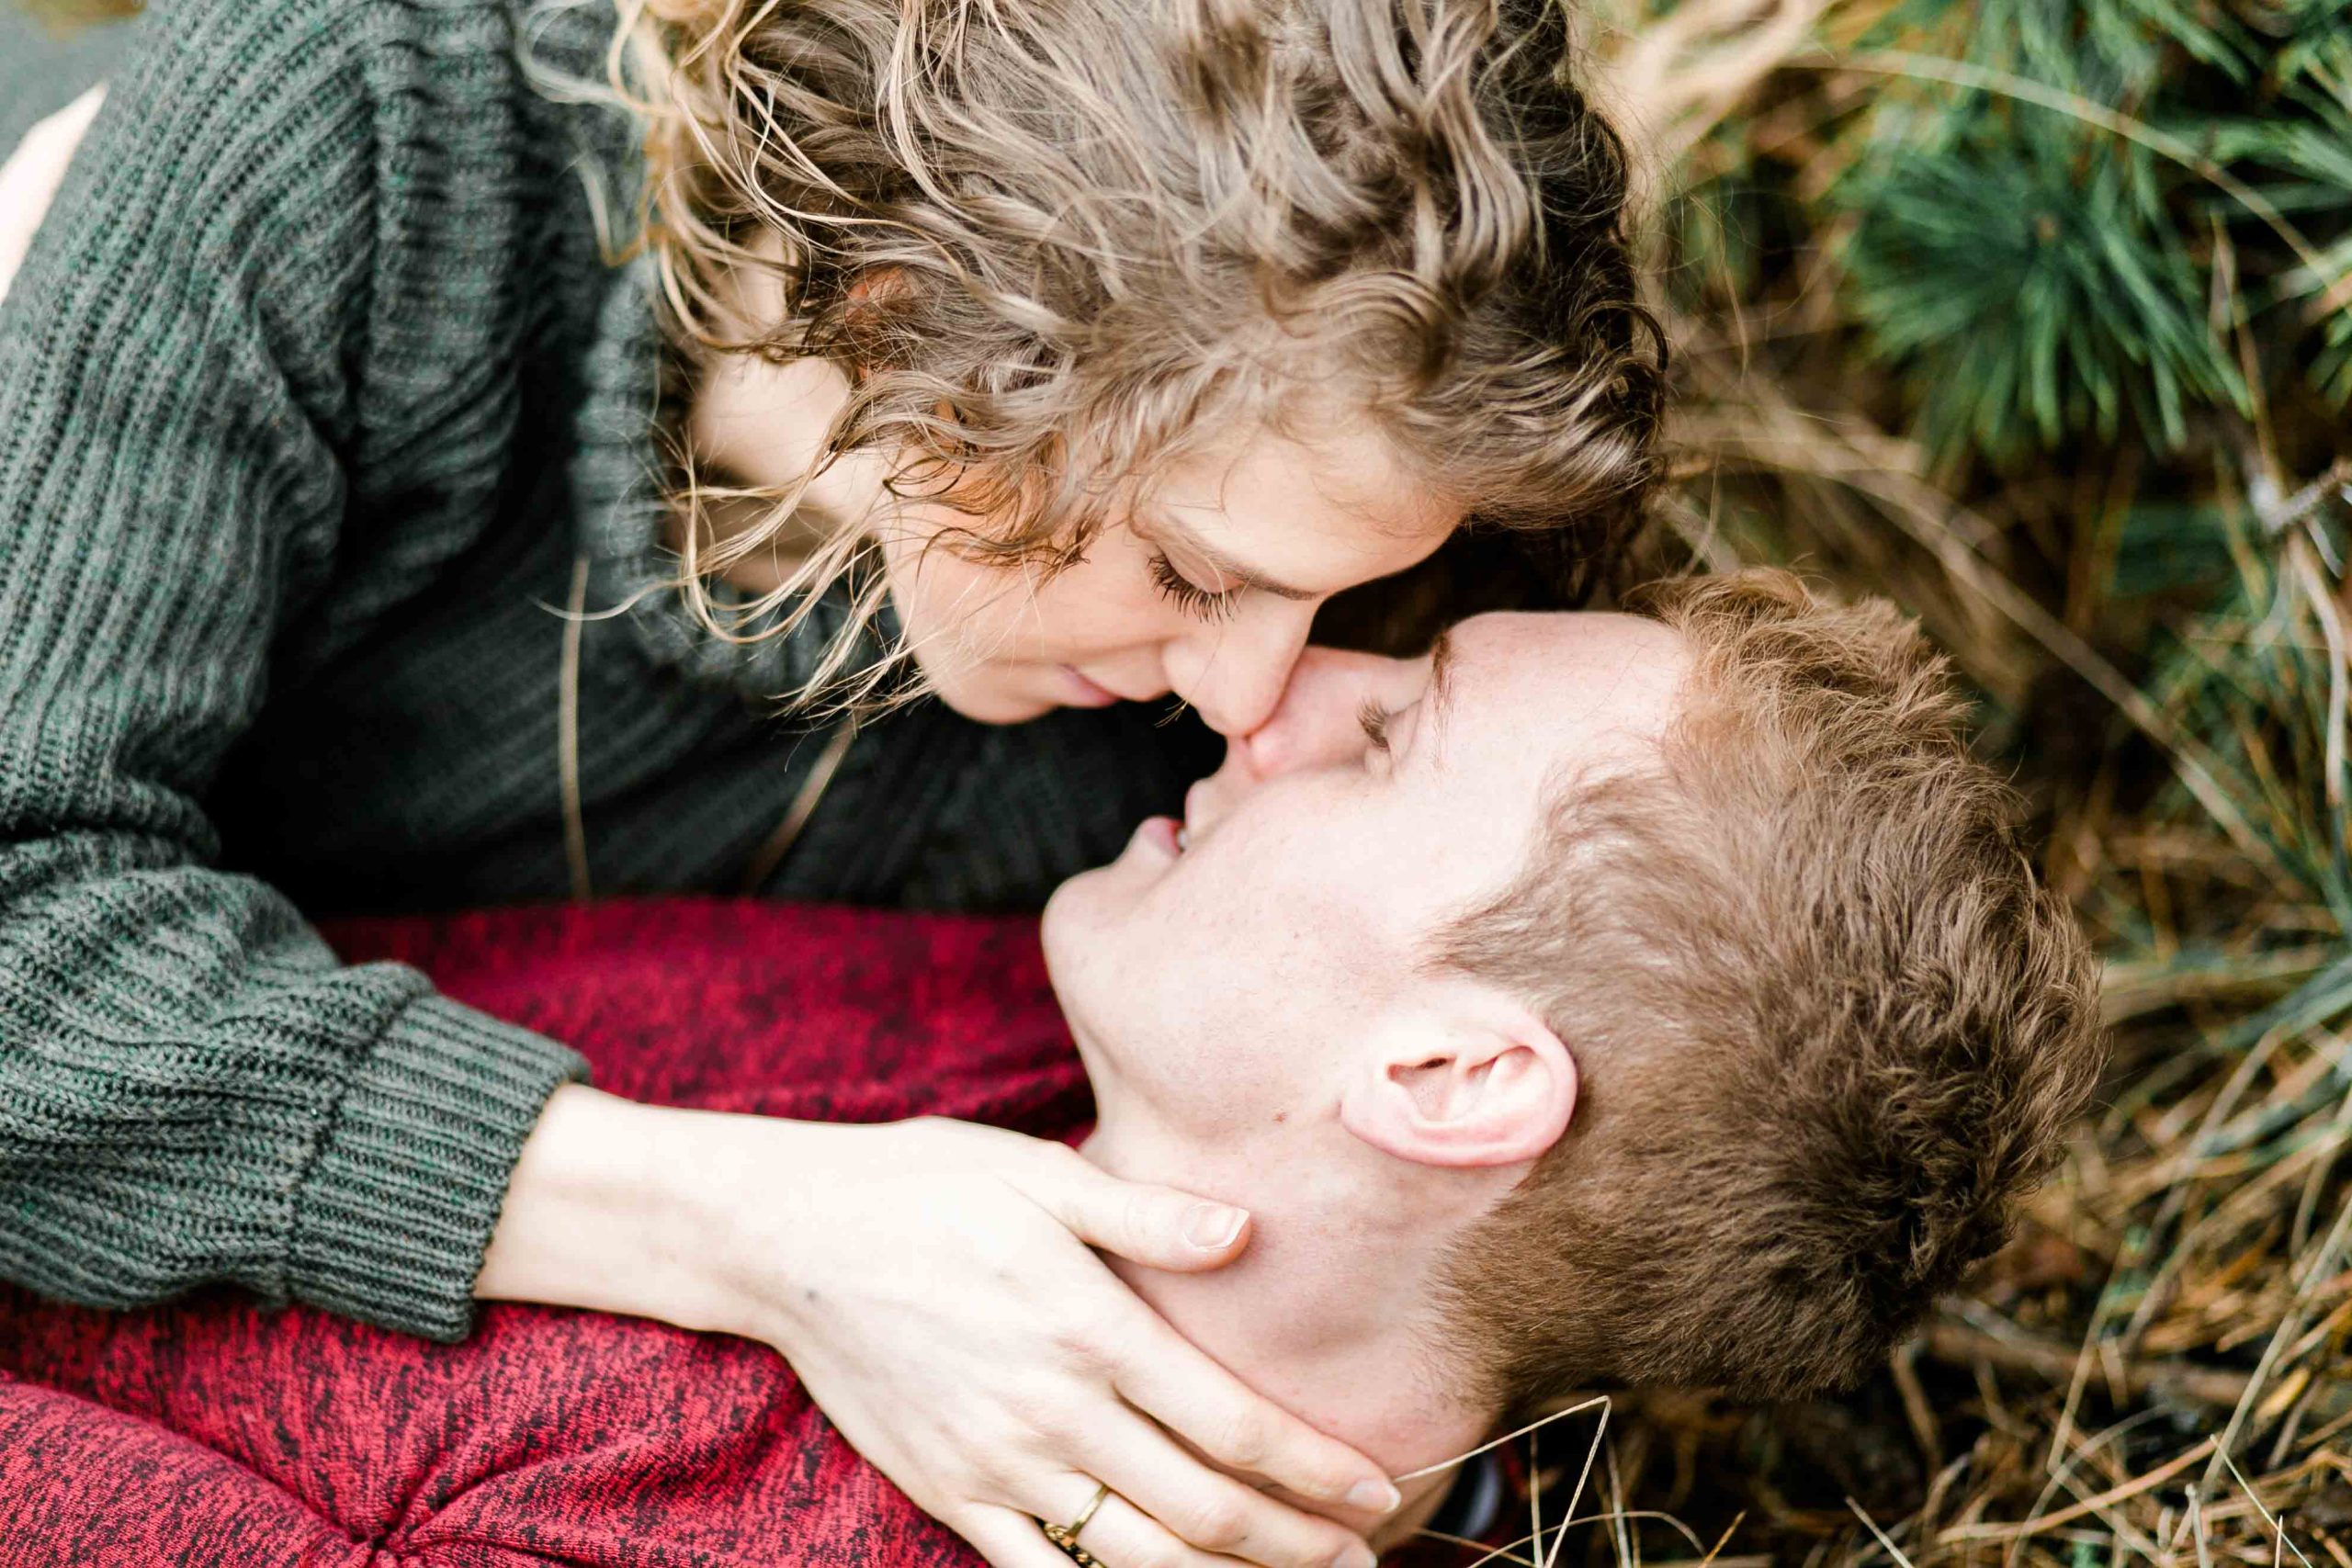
point(1205, 590)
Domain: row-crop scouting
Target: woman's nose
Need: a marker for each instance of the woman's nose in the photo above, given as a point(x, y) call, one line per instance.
point(1319, 719)
point(1234, 676)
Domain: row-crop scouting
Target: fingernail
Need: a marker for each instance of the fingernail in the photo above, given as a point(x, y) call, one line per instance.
point(1374, 1497)
point(1212, 1226)
point(1357, 1556)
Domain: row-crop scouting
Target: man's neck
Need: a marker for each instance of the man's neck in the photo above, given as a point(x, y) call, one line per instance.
point(1326, 1312)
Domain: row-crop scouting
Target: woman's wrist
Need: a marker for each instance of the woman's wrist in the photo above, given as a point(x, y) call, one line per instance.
point(608, 1208)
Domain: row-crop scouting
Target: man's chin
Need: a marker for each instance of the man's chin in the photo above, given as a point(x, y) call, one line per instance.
point(1084, 902)
point(1087, 908)
point(1077, 931)
point(1068, 916)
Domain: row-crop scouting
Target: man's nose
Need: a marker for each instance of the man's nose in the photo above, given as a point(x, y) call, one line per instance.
point(1234, 676)
point(1319, 720)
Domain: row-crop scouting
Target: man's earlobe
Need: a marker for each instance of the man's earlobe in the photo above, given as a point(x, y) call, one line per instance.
point(1476, 1079)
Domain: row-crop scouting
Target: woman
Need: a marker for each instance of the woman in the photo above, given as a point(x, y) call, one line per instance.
point(436, 441)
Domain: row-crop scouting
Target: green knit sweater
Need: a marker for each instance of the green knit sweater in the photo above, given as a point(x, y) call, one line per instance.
point(315, 393)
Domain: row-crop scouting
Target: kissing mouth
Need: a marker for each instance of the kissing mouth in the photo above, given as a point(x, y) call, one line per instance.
point(1163, 835)
point(1174, 836)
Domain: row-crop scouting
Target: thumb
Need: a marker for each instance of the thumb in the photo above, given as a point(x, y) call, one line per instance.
point(1161, 1227)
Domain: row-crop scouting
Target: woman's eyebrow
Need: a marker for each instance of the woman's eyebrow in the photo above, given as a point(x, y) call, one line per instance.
point(1234, 571)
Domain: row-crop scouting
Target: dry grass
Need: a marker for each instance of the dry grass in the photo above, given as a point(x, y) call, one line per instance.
point(2161, 1368)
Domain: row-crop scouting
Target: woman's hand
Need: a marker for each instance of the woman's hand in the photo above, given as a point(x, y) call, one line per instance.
point(930, 1283)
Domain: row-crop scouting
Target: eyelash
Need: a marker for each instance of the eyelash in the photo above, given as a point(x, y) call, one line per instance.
point(1375, 719)
point(1190, 596)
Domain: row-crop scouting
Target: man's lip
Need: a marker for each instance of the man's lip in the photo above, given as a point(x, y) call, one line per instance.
point(1160, 832)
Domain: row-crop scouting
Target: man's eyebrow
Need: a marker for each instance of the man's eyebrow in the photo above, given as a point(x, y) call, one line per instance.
point(1440, 692)
point(1232, 570)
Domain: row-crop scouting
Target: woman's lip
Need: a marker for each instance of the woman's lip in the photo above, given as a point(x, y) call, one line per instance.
point(1087, 693)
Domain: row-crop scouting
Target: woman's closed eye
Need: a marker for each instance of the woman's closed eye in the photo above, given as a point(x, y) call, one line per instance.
point(1208, 603)
point(1375, 719)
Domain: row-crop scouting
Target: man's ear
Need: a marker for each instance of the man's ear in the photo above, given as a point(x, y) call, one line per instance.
point(1472, 1078)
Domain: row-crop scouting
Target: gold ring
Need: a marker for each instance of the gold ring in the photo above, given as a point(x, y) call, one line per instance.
point(1066, 1536)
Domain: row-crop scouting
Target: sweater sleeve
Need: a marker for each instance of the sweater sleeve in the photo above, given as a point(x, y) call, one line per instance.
point(192, 1089)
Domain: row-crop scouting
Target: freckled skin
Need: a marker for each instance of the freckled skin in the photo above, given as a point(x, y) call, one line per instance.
point(1231, 995)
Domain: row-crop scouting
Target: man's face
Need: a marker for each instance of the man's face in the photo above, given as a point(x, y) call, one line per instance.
point(1218, 989)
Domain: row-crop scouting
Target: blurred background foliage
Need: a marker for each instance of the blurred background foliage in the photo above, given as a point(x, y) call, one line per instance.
point(2036, 315)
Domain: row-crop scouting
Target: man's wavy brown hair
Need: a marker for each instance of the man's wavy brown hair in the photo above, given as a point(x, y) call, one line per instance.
point(1056, 242)
point(1829, 1028)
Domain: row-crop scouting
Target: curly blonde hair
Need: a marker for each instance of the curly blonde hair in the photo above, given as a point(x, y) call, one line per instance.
point(1052, 242)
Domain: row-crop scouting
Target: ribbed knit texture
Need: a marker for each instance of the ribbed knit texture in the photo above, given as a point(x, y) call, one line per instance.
point(313, 390)
point(206, 1435)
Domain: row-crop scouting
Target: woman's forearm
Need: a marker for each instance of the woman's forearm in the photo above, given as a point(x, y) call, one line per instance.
point(930, 1282)
point(604, 1213)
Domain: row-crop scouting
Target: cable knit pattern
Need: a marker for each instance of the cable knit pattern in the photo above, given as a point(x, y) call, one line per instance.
point(314, 390)
point(212, 1435)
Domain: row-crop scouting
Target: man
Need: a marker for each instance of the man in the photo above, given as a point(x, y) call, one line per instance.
point(1604, 999)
